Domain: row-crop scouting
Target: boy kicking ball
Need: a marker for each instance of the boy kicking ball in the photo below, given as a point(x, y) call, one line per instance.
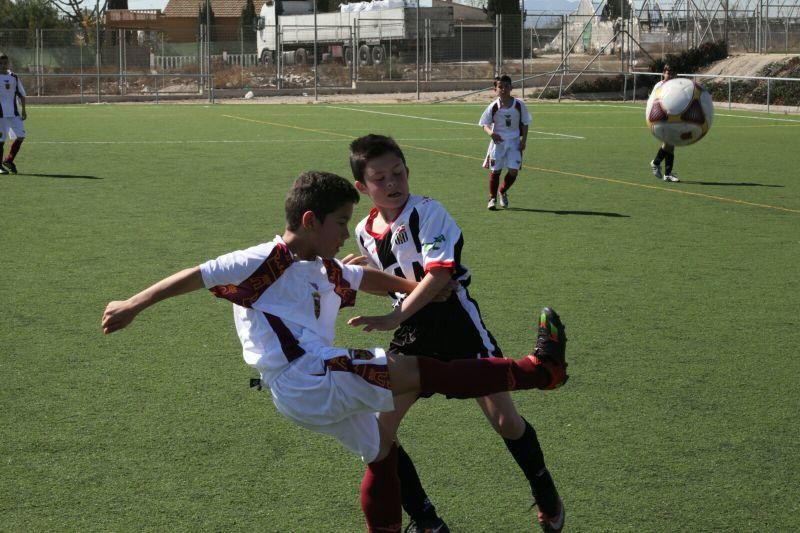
point(286, 294)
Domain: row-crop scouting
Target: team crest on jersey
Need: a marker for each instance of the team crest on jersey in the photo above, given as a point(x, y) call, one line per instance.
point(8, 86)
point(508, 119)
point(430, 246)
point(317, 298)
point(401, 235)
point(359, 354)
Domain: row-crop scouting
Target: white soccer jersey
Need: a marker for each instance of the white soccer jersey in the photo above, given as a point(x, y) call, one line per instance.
point(422, 237)
point(507, 121)
point(283, 308)
point(10, 88)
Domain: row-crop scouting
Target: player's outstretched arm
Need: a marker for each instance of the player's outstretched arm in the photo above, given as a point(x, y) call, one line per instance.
point(435, 286)
point(118, 314)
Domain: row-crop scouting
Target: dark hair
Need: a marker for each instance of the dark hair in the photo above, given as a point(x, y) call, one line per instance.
point(505, 78)
point(3, 55)
point(668, 67)
point(321, 193)
point(369, 147)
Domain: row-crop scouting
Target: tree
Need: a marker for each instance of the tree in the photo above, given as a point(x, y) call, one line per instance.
point(248, 18)
point(117, 4)
point(512, 25)
point(207, 17)
point(502, 7)
point(80, 14)
point(619, 9)
point(30, 14)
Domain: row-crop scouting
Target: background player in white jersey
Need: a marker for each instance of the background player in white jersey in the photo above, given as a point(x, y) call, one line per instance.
point(415, 237)
point(506, 121)
point(12, 113)
point(287, 294)
point(667, 151)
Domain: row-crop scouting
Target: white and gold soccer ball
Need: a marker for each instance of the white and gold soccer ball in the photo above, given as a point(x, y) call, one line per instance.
point(679, 112)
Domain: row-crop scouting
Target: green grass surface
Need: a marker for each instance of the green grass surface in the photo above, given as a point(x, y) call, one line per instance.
point(681, 303)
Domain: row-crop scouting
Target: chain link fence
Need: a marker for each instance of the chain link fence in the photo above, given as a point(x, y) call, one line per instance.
point(106, 64)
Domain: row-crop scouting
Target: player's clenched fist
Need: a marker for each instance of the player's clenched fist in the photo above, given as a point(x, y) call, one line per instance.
point(116, 316)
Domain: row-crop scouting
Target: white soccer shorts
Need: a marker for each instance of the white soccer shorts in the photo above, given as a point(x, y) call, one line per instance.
point(337, 392)
point(11, 128)
point(503, 155)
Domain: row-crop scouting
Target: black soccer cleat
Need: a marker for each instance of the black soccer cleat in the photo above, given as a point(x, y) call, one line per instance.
point(551, 346)
point(552, 524)
point(3, 170)
point(10, 166)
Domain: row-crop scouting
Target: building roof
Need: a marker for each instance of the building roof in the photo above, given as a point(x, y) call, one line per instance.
point(190, 8)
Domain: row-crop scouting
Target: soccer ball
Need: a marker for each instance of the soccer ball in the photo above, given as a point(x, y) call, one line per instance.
point(679, 112)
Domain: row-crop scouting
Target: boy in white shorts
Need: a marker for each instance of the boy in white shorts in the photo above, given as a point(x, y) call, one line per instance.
point(506, 121)
point(12, 113)
point(287, 294)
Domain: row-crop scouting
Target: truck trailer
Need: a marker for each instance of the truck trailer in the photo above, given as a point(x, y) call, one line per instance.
point(371, 29)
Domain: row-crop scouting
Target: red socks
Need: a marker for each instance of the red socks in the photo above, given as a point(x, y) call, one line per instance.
point(494, 182)
point(473, 378)
point(12, 153)
point(508, 181)
point(380, 495)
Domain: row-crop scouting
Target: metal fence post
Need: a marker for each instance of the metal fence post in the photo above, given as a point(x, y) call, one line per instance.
point(522, 46)
point(729, 93)
point(768, 95)
point(625, 87)
point(97, 49)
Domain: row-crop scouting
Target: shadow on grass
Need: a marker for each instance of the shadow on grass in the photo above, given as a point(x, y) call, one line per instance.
point(61, 176)
point(586, 213)
point(729, 184)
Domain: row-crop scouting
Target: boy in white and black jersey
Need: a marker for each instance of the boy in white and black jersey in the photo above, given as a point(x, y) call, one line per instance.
point(286, 294)
point(12, 113)
point(415, 237)
point(506, 121)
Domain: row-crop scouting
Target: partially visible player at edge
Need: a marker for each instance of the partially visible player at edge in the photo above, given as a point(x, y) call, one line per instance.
point(506, 121)
point(667, 151)
point(12, 113)
point(415, 237)
point(287, 294)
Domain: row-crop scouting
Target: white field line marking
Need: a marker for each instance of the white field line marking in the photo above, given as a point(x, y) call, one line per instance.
point(473, 124)
point(547, 170)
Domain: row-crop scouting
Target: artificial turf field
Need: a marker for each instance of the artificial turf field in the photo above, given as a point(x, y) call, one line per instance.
point(682, 305)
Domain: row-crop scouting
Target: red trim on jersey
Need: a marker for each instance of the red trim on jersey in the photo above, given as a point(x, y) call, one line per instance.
point(371, 373)
point(374, 213)
point(449, 265)
point(250, 290)
point(340, 285)
point(289, 344)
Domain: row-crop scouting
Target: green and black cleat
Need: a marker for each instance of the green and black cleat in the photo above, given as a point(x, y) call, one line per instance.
point(551, 347)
